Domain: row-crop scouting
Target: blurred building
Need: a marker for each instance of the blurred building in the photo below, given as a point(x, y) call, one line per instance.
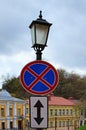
point(12, 111)
point(62, 114)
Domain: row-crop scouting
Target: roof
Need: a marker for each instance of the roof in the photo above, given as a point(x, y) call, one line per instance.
point(59, 101)
point(73, 100)
point(5, 96)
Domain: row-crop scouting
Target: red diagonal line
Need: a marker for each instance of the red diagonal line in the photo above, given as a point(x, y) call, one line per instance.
point(39, 77)
point(46, 83)
point(32, 72)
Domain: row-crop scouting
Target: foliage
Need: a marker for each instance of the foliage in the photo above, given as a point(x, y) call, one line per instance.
point(70, 85)
point(13, 86)
point(82, 128)
point(81, 104)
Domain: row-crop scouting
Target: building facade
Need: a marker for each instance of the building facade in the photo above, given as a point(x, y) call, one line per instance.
point(12, 111)
point(62, 114)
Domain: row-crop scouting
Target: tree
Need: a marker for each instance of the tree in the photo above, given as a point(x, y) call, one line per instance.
point(13, 86)
point(70, 85)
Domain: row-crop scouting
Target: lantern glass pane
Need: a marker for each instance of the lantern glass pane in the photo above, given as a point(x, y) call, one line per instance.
point(41, 34)
point(33, 34)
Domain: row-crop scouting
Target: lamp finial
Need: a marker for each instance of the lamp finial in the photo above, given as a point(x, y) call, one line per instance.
point(40, 15)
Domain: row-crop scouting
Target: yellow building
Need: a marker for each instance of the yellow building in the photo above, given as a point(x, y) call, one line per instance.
point(27, 115)
point(15, 114)
point(12, 111)
point(62, 114)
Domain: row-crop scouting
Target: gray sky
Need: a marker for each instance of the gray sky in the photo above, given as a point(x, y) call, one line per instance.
point(66, 42)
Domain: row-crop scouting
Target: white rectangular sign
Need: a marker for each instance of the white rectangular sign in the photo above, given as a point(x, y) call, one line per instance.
point(38, 112)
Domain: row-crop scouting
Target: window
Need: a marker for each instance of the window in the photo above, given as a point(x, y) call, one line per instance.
point(51, 124)
point(85, 122)
point(71, 112)
point(63, 111)
point(3, 125)
point(60, 112)
point(27, 110)
point(55, 112)
point(63, 123)
point(19, 111)
point(2, 112)
point(10, 111)
point(51, 112)
point(67, 123)
point(85, 113)
point(71, 123)
point(19, 124)
point(81, 112)
point(75, 112)
point(59, 123)
point(80, 123)
point(67, 112)
point(11, 124)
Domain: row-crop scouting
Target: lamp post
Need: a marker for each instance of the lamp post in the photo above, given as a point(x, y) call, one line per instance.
point(39, 32)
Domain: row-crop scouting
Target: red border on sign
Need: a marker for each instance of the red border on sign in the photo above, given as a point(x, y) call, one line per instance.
point(52, 87)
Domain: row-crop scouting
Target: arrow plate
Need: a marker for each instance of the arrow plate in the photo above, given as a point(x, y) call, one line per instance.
point(38, 112)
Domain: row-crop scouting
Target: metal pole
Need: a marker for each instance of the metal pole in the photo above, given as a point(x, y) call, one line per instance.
point(38, 55)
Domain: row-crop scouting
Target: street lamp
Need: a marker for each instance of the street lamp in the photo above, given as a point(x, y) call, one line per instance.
point(39, 33)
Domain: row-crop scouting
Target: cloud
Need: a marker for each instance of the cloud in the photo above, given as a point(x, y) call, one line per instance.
point(66, 42)
point(13, 64)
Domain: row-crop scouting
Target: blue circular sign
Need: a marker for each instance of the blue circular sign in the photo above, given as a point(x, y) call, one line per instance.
point(39, 77)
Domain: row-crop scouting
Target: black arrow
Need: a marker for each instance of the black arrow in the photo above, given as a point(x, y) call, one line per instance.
point(38, 118)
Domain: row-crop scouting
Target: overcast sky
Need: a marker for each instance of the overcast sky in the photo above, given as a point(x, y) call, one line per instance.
point(66, 42)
